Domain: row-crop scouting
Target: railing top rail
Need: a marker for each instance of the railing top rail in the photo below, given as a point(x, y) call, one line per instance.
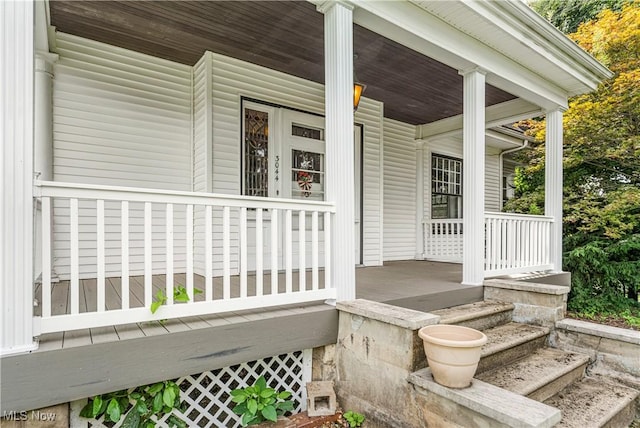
point(516, 216)
point(441, 220)
point(135, 194)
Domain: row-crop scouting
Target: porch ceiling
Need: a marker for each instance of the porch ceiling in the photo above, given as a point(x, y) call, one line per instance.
point(283, 35)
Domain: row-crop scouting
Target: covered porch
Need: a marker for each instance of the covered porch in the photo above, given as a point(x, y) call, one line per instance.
point(141, 168)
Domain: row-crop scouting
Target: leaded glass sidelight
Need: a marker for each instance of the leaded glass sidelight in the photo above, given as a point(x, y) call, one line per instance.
point(256, 152)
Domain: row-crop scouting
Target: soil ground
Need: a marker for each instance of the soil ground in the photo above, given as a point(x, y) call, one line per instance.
point(609, 320)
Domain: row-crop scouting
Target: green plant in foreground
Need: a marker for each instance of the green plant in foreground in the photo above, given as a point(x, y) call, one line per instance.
point(179, 295)
point(258, 403)
point(138, 405)
point(355, 419)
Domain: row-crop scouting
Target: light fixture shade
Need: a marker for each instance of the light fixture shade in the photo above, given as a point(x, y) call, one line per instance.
point(358, 89)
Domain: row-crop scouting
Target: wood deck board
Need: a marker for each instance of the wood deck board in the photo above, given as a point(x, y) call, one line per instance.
point(60, 298)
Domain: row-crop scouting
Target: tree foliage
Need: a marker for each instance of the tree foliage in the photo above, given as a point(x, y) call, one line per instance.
point(567, 15)
point(601, 152)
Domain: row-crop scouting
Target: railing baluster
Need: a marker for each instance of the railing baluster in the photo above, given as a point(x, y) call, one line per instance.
point(124, 252)
point(226, 252)
point(288, 253)
point(511, 243)
point(169, 248)
point(208, 253)
point(148, 254)
point(259, 252)
point(327, 251)
point(302, 250)
point(314, 250)
point(189, 250)
point(243, 252)
point(527, 248)
point(100, 280)
point(496, 243)
point(274, 251)
point(487, 243)
point(46, 256)
point(75, 257)
point(521, 243)
point(539, 244)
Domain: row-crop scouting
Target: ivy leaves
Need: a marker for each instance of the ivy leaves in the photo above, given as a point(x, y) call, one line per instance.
point(140, 406)
point(180, 295)
point(259, 403)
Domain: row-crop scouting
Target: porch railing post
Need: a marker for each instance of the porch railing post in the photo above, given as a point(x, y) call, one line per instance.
point(338, 59)
point(473, 177)
point(553, 186)
point(16, 176)
point(43, 137)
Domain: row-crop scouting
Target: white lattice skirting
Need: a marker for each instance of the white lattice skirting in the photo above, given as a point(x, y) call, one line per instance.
point(207, 394)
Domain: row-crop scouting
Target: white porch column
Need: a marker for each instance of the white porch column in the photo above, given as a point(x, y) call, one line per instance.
point(473, 177)
point(553, 185)
point(419, 200)
point(43, 138)
point(16, 175)
point(338, 60)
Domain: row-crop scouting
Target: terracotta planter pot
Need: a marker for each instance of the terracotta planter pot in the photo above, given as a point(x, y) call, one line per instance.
point(452, 352)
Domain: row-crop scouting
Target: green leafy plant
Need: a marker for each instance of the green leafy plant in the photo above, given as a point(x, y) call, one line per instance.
point(354, 419)
point(137, 405)
point(179, 295)
point(258, 403)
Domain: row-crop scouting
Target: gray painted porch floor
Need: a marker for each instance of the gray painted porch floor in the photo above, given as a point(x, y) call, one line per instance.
point(419, 285)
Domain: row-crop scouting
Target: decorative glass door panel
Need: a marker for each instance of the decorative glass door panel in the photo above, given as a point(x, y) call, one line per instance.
point(307, 175)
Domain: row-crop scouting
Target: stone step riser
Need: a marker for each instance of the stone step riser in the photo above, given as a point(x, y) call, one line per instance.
point(488, 321)
point(509, 355)
point(624, 417)
point(560, 383)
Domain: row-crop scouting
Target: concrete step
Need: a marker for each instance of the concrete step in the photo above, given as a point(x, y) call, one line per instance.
point(479, 315)
point(591, 403)
point(510, 342)
point(539, 375)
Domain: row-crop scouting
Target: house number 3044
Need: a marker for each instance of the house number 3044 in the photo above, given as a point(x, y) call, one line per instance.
point(277, 165)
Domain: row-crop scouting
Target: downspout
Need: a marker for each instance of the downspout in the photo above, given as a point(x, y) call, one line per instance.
point(525, 143)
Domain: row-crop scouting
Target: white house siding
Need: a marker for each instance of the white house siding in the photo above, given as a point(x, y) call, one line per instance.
point(492, 181)
point(201, 151)
point(234, 79)
point(370, 115)
point(119, 118)
point(399, 190)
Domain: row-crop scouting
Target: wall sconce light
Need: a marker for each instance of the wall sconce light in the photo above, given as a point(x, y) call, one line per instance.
point(358, 88)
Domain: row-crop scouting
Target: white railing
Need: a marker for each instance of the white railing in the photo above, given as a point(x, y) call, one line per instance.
point(516, 243)
point(443, 239)
point(99, 230)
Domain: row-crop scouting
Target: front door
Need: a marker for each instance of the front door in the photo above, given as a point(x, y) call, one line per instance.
point(296, 159)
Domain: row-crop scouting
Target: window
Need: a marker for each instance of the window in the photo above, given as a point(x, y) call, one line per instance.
point(446, 187)
point(508, 188)
point(256, 152)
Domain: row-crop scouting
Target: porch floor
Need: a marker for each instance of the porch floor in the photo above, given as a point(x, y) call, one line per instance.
point(85, 362)
point(419, 285)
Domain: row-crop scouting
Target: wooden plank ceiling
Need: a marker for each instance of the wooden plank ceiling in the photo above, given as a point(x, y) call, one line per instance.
point(283, 35)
